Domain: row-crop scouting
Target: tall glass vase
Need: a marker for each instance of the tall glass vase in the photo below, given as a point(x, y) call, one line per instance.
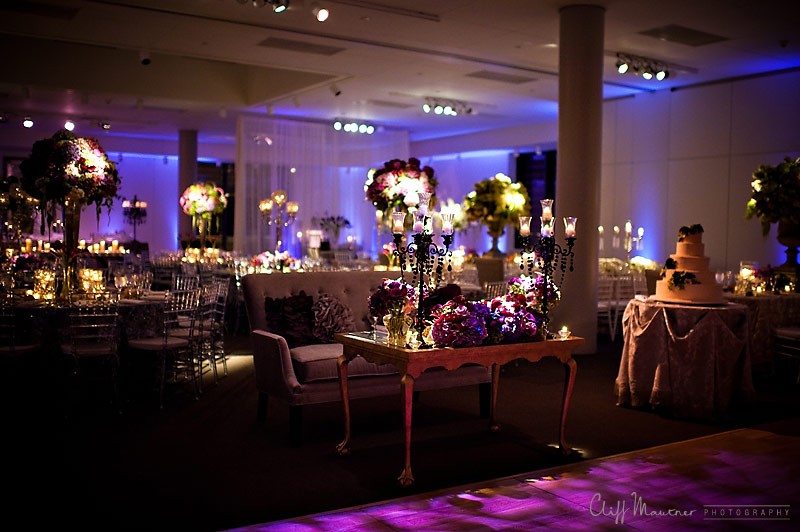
point(202, 231)
point(69, 258)
point(494, 251)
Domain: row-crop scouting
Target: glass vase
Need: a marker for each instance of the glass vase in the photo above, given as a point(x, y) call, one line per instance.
point(69, 258)
point(396, 327)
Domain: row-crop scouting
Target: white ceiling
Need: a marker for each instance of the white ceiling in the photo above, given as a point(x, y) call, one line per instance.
point(81, 58)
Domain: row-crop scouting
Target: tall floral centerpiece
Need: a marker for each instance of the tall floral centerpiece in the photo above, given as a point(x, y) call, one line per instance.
point(775, 198)
point(71, 172)
point(397, 186)
point(497, 202)
point(332, 227)
point(204, 202)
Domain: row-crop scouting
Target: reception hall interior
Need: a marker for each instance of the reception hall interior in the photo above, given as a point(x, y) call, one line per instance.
point(261, 257)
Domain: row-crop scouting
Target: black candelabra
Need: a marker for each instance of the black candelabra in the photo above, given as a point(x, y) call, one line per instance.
point(135, 213)
point(427, 264)
point(547, 253)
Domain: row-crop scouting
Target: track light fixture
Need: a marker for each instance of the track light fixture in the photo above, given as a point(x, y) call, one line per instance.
point(641, 66)
point(278, 6)
point(28, 122)
point(69, 125)
point(105, 126)
point(353, 127)
point(335, 90)
point(446, 107)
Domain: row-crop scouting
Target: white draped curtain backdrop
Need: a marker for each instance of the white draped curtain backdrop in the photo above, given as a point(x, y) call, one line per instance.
point(322, 169)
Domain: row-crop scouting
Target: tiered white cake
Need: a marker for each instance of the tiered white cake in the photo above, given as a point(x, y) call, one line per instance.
point(686, 277)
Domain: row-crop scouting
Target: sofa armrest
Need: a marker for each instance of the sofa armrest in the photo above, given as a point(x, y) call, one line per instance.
point(273, 365)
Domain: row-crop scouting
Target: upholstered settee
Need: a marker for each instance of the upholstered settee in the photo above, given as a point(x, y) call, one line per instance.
point(307, 374)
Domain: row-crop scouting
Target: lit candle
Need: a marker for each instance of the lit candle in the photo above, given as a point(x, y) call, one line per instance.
point(46, 247)
point(398, 222)
point(569, 226)
point(103, 246)
point(524, 226)
point(82, 244)
point(424, 202)
point(379, 216)
point(564, 333)
point(418, 226)
point(447, 222)
point(615, 238)
point(114, 246)
point(547, 209)
point(547, 227)
point(600, 232)
point(28, 245)
point(39, 245)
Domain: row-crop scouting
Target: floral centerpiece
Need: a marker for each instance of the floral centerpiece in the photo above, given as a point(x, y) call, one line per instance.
point(497, 202)
point(333, 225)
point(776, 199)
point(776, 194)
point(397, 185)
point(281, 261)
point(204, 202)
point(72, 172)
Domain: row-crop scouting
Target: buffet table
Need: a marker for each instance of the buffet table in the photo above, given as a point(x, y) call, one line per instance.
point(687, 361)
point(412, 363)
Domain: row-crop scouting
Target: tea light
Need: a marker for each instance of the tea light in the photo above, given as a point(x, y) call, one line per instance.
point(564, 333)
point(569, 226)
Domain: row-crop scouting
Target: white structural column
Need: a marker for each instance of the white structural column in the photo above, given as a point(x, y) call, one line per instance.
point(580, 114)
point(187, 173)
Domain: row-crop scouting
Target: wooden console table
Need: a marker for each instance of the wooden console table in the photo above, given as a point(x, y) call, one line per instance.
point(412, 363)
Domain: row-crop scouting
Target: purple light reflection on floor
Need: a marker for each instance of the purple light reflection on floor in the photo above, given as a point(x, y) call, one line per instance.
point(745, 467)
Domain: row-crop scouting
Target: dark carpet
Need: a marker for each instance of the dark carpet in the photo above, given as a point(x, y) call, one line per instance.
point(205, 465)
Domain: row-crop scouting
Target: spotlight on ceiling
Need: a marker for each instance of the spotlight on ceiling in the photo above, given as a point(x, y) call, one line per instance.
point(335, 90)
point(320, 13)
point(28, 122)
point(354, 127)
point(69, 125)
point(105, 126)
point(279, 6)
point(446, 107)
point(637, 65)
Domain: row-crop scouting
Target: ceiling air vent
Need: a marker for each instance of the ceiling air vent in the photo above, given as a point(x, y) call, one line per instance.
point(301, 47)
point(502, 78)
point(683, 35)
point(394, 105)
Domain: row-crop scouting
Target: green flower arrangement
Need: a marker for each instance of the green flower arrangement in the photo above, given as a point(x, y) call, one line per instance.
point(776, 194)
point(497, 202)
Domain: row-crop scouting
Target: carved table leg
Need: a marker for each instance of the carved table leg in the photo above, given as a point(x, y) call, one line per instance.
point(341, 366)
point(407, 383)
point(493, 425)
point(570, 368)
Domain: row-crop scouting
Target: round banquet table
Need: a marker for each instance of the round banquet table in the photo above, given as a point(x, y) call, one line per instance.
point(687, 361)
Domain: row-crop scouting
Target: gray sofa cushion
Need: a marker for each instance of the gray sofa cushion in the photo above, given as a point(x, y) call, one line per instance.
point(318, 363)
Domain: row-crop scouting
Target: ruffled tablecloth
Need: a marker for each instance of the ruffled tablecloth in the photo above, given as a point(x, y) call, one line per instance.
point(685, 361)
point(767, 313)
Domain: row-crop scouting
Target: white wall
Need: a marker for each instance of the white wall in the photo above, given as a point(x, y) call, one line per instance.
point(685, 157)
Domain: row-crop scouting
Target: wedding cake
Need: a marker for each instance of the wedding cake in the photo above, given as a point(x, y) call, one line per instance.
point(685, 277)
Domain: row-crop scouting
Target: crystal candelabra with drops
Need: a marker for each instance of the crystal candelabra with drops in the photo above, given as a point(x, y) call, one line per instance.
point(422, 257)
point(135, 213)
point(280, 213)
point(545, 253)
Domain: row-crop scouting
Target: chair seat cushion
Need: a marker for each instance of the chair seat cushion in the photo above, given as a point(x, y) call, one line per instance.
point(317, 362)
point(157, 343)
point(89, 349)
point(788, 332)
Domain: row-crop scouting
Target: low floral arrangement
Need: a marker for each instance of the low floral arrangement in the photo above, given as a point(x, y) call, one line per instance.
point(497, 202)
point(203, 199)
point(389, 252)
point(513, 319)
point(776, 194)
point(460, 323)
point(66, 166)
point(332, 225)
point(393, 296)
point(397, 185)
point(533, 288)
point(275, 261)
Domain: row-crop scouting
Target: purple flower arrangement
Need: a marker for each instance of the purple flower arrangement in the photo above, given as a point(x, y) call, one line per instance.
point(460, 323)
point(504, 319)
point(393, 296)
